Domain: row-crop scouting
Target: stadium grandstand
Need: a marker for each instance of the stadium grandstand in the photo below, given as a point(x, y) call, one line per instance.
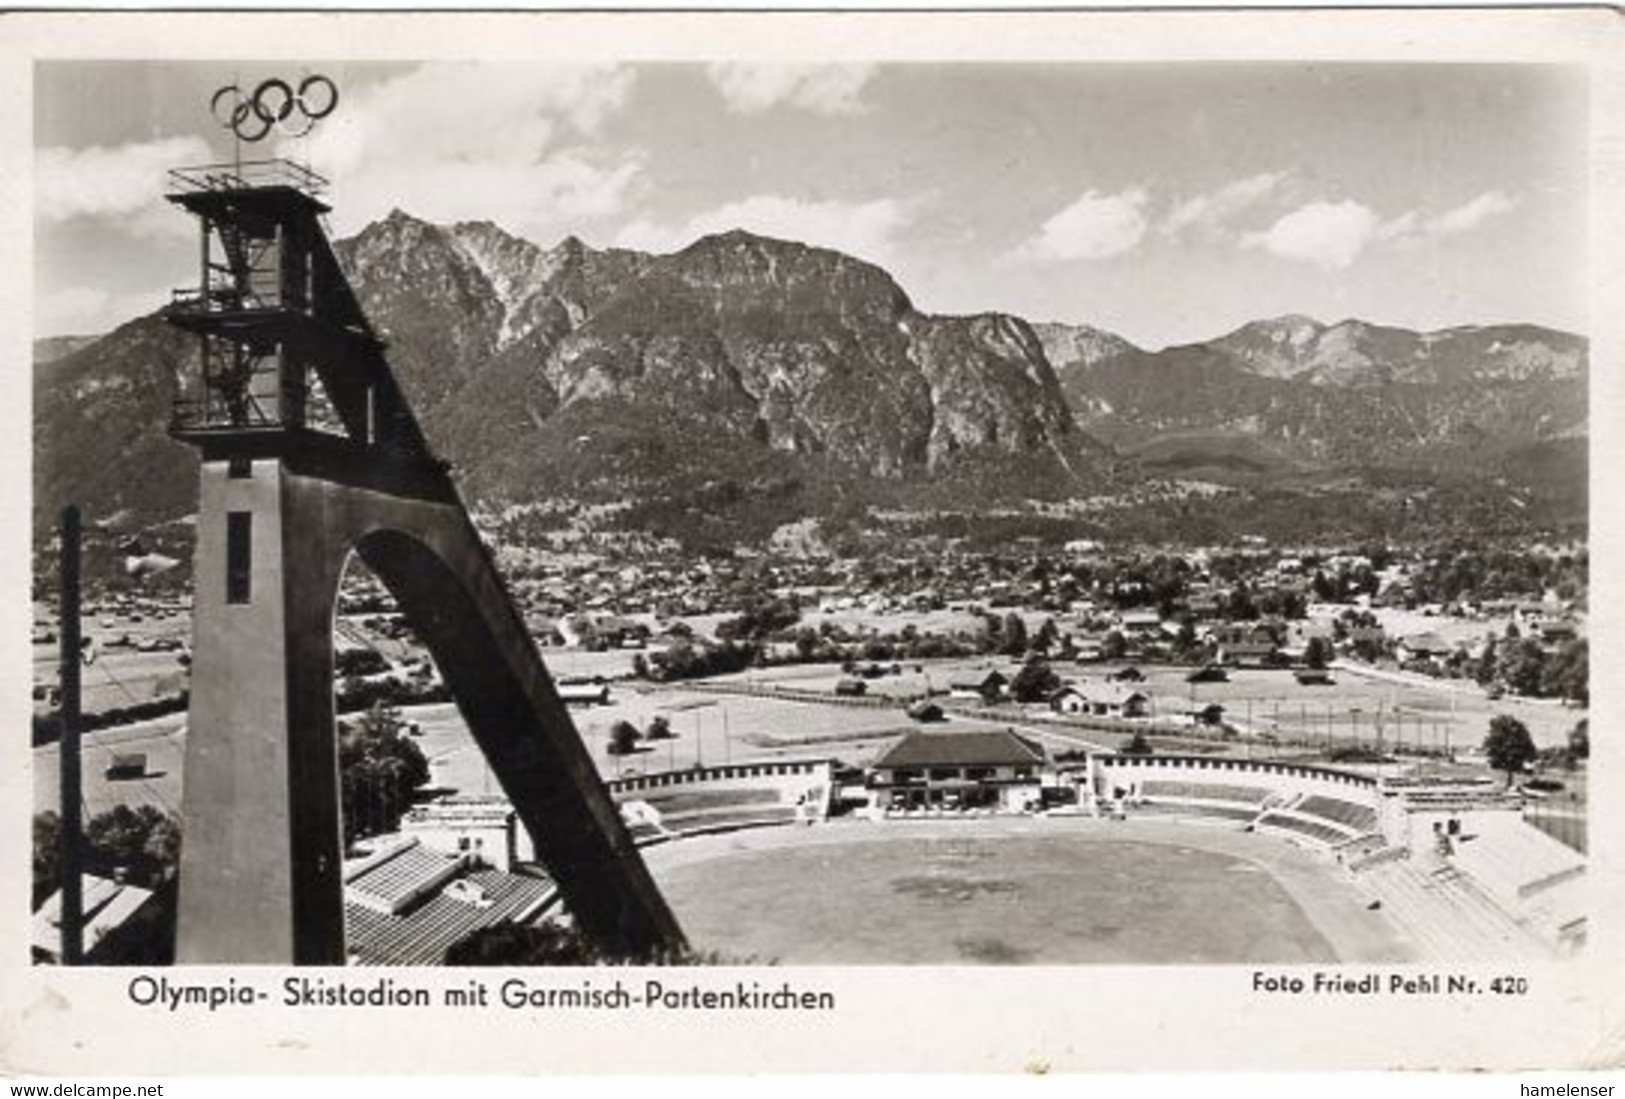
point(722, 798)
point(1450, 859)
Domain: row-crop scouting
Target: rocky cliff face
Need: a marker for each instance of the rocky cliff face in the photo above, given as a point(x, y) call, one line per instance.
point(572, 368)
point(1072, 346)
point(770, 343)
point(742, 369)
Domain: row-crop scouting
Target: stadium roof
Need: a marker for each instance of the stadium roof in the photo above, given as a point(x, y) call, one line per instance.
point(405, 873)
point(997, 748)
point(420, 937)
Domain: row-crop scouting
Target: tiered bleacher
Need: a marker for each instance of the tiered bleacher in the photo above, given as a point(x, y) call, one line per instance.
point(1203, 791)
point(1527, 873)
point(644, 831)
point(716, 799)
point(1518, 862)
point(1360, 818)
point(1448, 918)
point(1299, 826)
point(1239, 813)
point(1300, 803)
point(1327, 820)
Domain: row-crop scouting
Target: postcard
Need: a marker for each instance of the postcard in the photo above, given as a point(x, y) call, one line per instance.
point(937, 541)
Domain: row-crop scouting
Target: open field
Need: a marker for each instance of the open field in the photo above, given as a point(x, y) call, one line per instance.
point(1357, 706)
point(162, 739)
point(713, 726)
point(709, 728)
point(117, 677)
point(1007, 891)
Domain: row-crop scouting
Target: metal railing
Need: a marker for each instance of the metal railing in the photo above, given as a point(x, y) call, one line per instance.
point(246, 175)
point(194, 301)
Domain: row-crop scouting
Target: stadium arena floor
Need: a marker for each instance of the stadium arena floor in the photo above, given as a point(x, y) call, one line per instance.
point(1016, 891)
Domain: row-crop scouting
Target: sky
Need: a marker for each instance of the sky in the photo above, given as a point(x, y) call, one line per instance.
point(1166, 203)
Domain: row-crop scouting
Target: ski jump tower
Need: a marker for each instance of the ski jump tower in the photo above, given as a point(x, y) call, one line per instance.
point(309, 453)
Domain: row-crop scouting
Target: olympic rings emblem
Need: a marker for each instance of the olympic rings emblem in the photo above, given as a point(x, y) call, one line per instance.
point(274, 104)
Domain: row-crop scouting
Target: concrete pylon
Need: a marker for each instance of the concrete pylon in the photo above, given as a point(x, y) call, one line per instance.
point(261, 855)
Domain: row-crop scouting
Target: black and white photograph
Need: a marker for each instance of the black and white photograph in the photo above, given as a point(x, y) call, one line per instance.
point(665, 512)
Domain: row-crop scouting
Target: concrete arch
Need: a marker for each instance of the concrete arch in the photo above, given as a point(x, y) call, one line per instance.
point(261, 877)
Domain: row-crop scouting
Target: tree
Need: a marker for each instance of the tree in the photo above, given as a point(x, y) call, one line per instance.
point(1047, 636)
point(1240, 607)
point(144, 842)
point(1508, 745)
point(1137, 746)
point(47, 855)
point(513, 944)
point(659, 728)
point(357, 662)
point(379, 771)
point(1317, 652)
point(509, 943)
point(806, 642)
point(1013, 635)
point(990, 637)
point(1580, 741)
point(1185, 642)
point(1567, 673)
point(623, 738)
point(1035, 682)
point(1521, 664)
point(1113, 646)
point(1488, 662)
point(763, 617)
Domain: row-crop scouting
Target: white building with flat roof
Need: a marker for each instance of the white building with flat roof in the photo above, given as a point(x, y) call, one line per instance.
point(480, 826)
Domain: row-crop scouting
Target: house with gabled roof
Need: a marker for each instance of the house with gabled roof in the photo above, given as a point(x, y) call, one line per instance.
point(993, 769)
point(984, 685)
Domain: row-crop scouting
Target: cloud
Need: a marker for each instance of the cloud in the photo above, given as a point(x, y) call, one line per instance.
point(518, 144)
point(1330, 235)
point(121, 184)
point(85, 310)
point(867, 230)
point(821, 89)
point(1095, 226)
point(1209, 215)
point(1470, 215)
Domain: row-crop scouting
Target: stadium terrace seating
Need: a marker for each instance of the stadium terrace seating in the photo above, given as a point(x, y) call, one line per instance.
point(1359, 818)
point(680, 801)
point(1519, 861)
point(1447, 917)
point(643, 831)
point(1303, 828)
point(722, 798)
point(1204, 791)
point(727, 819)
point(684, 811)
point(1368, 844)
point(421, 936)
point(1197, 809)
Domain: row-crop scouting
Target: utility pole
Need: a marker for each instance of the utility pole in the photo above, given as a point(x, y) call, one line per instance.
point(73, 901)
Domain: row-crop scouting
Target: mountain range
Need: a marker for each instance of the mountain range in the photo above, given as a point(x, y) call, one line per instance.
point(744, 382)
point(1293, 395)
